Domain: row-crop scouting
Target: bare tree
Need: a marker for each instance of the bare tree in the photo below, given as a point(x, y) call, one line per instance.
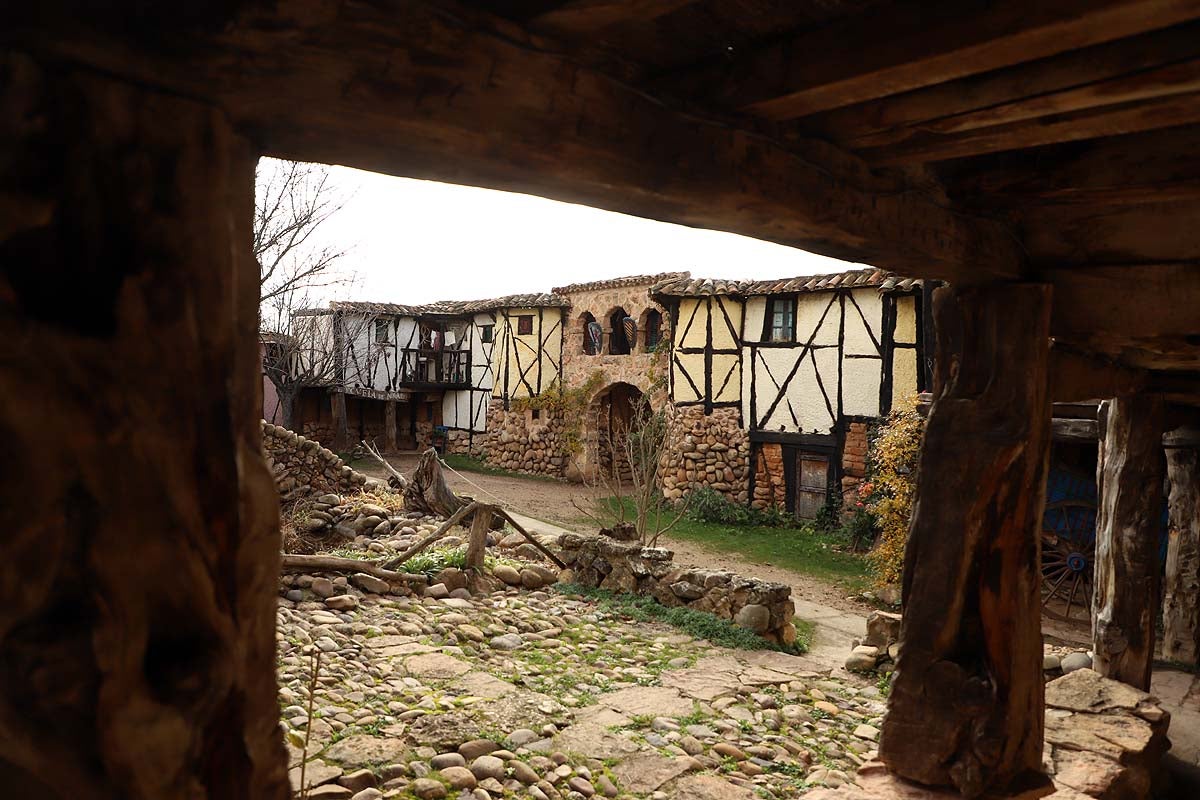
point(292, 201)
point(300, 347)
point(321, 348)
point(628, 489)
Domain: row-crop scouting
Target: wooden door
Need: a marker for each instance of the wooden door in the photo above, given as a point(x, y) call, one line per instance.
point(812, 483)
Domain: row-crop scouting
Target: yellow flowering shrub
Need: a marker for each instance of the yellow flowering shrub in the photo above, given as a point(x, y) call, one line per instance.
point(892, 489)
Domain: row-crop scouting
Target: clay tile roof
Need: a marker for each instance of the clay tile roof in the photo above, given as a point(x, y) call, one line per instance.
point(628, 280)
point(453, 307)
point(856, 278)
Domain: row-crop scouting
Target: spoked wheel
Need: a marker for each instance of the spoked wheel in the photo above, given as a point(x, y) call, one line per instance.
point(1068, 560)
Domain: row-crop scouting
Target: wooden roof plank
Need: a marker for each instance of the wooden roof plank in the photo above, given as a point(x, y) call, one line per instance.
point(924, 146)
point(590, 17)
point(1045, 76)
point(906, 48)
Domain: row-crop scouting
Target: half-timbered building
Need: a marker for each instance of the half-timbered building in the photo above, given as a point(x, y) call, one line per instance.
point(804, 364)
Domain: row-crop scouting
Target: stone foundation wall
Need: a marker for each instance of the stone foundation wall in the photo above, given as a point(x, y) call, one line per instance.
point(770, 484)
point(854, 463)
point(599, 561)
point(706, 450)
point(518, 442)
point(303, 467)
point(462, 443)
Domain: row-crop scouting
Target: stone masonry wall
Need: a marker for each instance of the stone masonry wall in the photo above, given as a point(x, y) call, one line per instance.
point(303, 467)
point(516, 441)
point(770, 485)
point(712, 451)
point(462, 443)
point(759, 606)
point(854, 463)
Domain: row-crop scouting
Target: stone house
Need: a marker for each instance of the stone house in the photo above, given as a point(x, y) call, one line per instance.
point(770, 386)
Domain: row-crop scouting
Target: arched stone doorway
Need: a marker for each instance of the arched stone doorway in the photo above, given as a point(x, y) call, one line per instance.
point(613, 412)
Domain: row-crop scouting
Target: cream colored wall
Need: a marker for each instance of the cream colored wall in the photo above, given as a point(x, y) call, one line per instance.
point(861, 376)
point(723, 337)
point(904, 375)
point(508, 343)
point(906, 320)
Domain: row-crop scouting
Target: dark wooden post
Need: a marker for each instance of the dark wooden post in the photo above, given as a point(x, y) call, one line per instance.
point(967, 705)
point(139, 558)
point(1181, 584)
point(1130, 473)
point(481, 523)
point(341, 428)
point(389, 426)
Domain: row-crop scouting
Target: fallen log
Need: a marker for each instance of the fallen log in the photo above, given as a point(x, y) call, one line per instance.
point(302, 563)
point(454, 519)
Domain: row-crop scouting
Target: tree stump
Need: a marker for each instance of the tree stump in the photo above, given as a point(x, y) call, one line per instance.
point(1181, 584)
point(427, 490)
point(967, 705)
point(481, 523)
point(140, 557)
point(1130, 471)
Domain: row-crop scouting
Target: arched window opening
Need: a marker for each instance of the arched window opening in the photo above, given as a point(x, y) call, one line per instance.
point(622, 333)
point(592, 333)
point(653, 328)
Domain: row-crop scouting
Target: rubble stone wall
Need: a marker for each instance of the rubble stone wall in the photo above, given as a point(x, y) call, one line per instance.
point(462, 443)
point(770, 484)
point(707, 450)
point(518, 442)
point(599, 561)
point(854, 463)
point(303, 467)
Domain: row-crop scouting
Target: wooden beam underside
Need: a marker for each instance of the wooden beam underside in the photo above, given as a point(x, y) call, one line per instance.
point(425, 95)
point(904, 48)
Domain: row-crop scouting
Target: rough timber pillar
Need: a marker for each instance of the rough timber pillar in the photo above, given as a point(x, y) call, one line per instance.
point(139, 550)
point(967, 705)
point(389, 426)
point(1129, 473)
point(1181, 583)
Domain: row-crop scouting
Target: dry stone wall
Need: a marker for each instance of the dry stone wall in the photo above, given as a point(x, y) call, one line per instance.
point(707, 451)
point(303, 467)
point(518, 442)
point(603, 562)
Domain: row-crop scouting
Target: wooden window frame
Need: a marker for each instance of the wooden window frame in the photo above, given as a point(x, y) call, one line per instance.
point(486, 333)
point(769, 316)
point(385, 326)
point(524, 324)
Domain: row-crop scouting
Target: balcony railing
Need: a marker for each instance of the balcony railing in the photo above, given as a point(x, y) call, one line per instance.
point(427, 366)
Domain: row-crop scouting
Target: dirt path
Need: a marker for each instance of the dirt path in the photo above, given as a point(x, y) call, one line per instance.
point(551, 501)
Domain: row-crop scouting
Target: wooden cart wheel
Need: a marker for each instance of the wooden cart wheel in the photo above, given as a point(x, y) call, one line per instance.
point(1068, 559)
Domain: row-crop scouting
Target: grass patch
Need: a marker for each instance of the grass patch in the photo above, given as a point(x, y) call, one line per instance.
point(802, 549)
point(700, 624)
point(464, 463)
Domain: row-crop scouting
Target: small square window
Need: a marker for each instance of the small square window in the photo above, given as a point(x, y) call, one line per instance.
point(525, 325)
point(485, 334)
point(781, 319)
point(537, 413)
point(382, 330)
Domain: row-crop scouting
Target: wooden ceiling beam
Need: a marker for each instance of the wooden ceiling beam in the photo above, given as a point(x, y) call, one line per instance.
point(417, 91)
point(1165, 81)
point(1135, 169)
point(590, 17)
point(1035, 79)
point(906, 47)
point(925, 146)
point(1143, 301)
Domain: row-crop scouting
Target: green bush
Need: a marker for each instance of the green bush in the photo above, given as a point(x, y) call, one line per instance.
point(709, 505)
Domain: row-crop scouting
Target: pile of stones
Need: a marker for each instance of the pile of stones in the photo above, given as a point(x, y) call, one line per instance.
point(362, 520)
point(707, 450)
point(303, 467)
point(881, 647)
point(602, 561)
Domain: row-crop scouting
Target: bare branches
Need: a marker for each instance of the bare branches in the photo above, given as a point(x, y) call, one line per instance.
point(630, 481)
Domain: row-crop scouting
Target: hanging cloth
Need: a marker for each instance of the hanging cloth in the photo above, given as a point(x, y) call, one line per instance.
point(595, 333)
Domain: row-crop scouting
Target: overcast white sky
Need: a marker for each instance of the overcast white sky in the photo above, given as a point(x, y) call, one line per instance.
point(412, 241)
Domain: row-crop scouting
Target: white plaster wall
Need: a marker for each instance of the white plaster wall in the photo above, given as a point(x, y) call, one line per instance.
point(860, 386)
point(817, 312)
point(803, 392)
point(725, 367)
point(693, 363)
point(725, 338)
point(857, 340)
